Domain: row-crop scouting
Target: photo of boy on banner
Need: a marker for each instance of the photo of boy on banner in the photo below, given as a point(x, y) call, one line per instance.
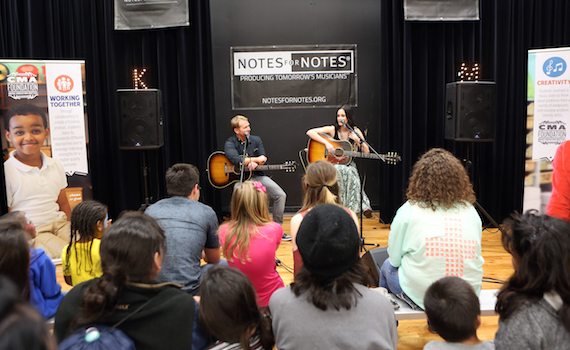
point(45, 166)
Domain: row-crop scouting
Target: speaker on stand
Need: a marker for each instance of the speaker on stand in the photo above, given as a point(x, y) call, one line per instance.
point(470, 117)
point(470, 113)
point(141, 126)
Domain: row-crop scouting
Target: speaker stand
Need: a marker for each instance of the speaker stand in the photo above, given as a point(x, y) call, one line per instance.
point(467, 164)
point(143, 155)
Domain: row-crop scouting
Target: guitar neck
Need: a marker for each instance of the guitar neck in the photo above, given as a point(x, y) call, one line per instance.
point(270, 167)
point(363, 155)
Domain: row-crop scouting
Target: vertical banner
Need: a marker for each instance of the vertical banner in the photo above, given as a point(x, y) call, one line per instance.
point(293, 76)
point(548, 118)
point(58, 88)
point(67, 121)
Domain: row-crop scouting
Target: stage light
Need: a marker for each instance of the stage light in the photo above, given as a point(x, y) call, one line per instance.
point(137, 79)
point(468, 73)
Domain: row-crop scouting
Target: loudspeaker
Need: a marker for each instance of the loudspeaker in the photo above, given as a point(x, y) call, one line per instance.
point(373, 260)
point(470, 111)
point(141, 119)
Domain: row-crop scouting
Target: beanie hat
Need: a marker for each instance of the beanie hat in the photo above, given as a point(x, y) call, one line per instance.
point(328, 240)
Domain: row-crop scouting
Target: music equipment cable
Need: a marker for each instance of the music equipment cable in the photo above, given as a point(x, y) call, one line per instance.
point(280, 263)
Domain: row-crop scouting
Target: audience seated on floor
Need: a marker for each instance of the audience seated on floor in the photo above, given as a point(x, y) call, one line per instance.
point(80, 258)
point(249, 240)
point(320, 186)
point(229, 313)
point(436, 233)
point(30, 269)
point(329, 305)
point(453, 311)
point(154, 315)
point(534, 304)
point(22, 327)
point(190, 227)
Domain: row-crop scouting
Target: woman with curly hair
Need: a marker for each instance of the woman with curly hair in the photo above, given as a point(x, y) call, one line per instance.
point(534, 304)
point(250, 239)
point(436, 233)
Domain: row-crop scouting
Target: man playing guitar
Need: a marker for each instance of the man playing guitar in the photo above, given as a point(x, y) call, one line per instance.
point(255, 155)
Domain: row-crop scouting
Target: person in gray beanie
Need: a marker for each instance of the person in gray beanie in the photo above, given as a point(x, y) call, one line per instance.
point(329, 305)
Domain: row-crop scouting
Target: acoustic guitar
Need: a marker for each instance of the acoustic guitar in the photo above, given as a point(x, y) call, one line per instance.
point(222, 173)
point(343, 152)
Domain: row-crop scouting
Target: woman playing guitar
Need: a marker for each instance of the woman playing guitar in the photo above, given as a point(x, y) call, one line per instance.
point(348, 178)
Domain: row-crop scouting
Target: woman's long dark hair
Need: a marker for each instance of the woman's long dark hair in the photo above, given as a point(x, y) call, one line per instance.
point(349, 116)
point(15, 254)
point(540, 245)
point(228, 308)
point(336, 292)
point(84, 218)
point(127, 255)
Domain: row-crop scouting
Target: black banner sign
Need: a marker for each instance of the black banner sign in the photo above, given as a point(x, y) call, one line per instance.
point(293, 76)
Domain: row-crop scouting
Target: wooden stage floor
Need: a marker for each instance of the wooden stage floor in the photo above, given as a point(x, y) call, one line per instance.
point(413, 334)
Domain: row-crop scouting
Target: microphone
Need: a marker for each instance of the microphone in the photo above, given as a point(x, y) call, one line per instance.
point(344, 123)
point(247, 135)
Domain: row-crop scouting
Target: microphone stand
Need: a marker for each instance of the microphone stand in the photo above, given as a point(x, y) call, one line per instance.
point(362, 140)
point(242, 165)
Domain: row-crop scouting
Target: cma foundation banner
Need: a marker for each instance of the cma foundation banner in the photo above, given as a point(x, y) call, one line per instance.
point(548, 120)
point(293, 76)
point(57, 87)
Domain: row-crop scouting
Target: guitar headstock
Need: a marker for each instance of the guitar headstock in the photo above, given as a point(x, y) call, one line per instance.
point(392, 158)
point(290, 166)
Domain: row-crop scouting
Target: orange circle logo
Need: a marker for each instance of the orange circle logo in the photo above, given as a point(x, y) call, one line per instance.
point(63, 83)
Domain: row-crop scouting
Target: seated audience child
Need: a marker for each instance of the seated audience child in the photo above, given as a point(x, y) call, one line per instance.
point(319, 186)
point(329, 306)
point(453, 310)
point(534, 304)
point(21, 326)
point(249, 240)
point(31, 270)
point(229, 312)
point(131, 257)
point(439, 213)
point(80, 258)
point(35, 183)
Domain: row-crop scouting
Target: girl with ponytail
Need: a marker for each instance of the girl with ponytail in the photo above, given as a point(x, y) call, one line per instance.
point(249, 240)
point(131, 258)
point(320, 186)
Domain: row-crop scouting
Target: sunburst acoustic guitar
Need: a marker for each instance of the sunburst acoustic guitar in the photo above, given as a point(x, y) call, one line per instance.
point(222, 173)
point(343, 152)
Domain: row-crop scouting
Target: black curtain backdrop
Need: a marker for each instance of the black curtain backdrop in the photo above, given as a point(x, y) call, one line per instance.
point(417, 60)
